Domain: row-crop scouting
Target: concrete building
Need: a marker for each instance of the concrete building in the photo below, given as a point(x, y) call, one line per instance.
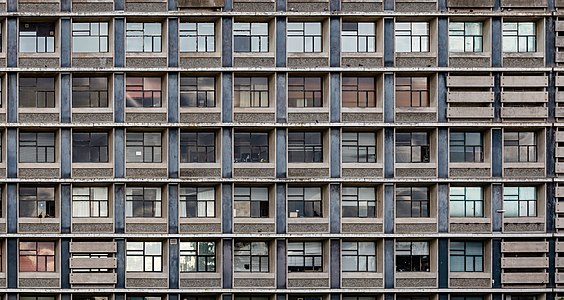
point(282, 150)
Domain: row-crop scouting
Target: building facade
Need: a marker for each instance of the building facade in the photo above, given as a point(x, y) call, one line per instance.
point(282, 150)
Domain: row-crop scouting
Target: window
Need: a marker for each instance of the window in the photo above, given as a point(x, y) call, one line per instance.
point(37, 257)
point(519, 37)
point(37, 37)
point(359, 202)
point(250, 37)
point(250, 257)
point(412, 256)
point(412, 147)
point(520, 201)
point(412, 92)
point(251, 147)
point(197, 91)
point(358, 37)
point(37, 92)
point(90, 147)
point(359, 256)
point(143, 147)
point(143, 202)
point(90, 202)
point(143, 92)
point(466, 147)
point(412, 37)
point(304, 37)
point(305, 147)
point(90, 37)
point(466, 256)
point(304, 202)
point(305, 91)
point(251, 92)
point(89, 92)
point(197, 147)
point(143, 37)
point(359, 147)
point(520, 146)
point(197, 202)
point(144, 257)
point(358, 91)
point(37, 147)
point(197, 256)
point(251, 202)
point(197, 37)
point(465, 36)
point(305, 257)
point(37, 202)
point(466, 201)
point(412, 202)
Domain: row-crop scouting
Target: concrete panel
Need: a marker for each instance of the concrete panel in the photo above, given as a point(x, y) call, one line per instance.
point(92, 62)
point(199, 62)
point(470, 282)
point(307, 6)
point(471, 3)
point(146, 6)
point(308, 227)
point(524, 262)
point(308, 283)
point(524, 172)
point(146, 172)
point(254, 228)
point(415, 117)
point(146, 117)
point(93, 247)
point(200, 117)
point(470, 81)
point(200, 283)
point(145, 62)
point(362, 172)
point(92, 6)
point(469, 62)
point(361, 227)
point(523, 3)
point(368, 62)
point(38, 118)
point(469, 172)
point(146, 282)
point(416, 227)
point(528, 246)
point(192, 172)
point(407, 62)
point(362, 282)
point(39, 283)
point(254, 282)
point(92, 228)
point(93, 278)
point(254, 62)
point(255, 6)
point(470, 112)
point(38, 173)
point(308, 117)
point(89, 263)
point(253, 172)
point(201, 228)
point(92, 117)
point(92, 173)
point(362, 117)
point(39, 62)
point(524, 278)
point(146, 228)
point(472, 97)
point(308, 62)
point(416, 282)
point(470, 227)
point(416, 172)
point(254, 117)
point(523, 62)
point(311, 172)
point(523, 227)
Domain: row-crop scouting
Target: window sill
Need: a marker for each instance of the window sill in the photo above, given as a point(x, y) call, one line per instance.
point(33, 275)
point(301, 110)
point(469, 220)
point(485, 54)
point(201, 275)
point(215, 165)
point(108, 54)
point(253, 54)
point(377, 165)
point(322, 54)
point(147, 110)
point(307, 220)
point(524, 220)
point(469, 165)
point(430, 165)
point(214, 220)
point(416, 274)
point(246, 220)
point(36, 110)
point(523, 54)
point(307, 275)
point(362, 54)
point(401, 220)
point(201, 110)
point(143, 220)
point(362, 275)
point(528, 165)
point(416, 54)
point(254, 110)
point(320, 165)
point(161, 165)
point(199, 54)
point(256, 165)
point(352, 220)
point(93, 110)
point(469, 275)
point(429, 109)
point(55, 54)
point(362, 110)
point(140, 274)
point(29, 220)
point(94, 165)
point(55, 165)
point(93, 220)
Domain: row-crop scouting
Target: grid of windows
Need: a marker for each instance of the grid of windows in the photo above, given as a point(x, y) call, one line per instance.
point(197, 257)
point(359, 147)
point(197, 147)
point(465, 36)
point(305, 256)
point(251, 91)
point(359, 202)
point(412, 36)
point(36, 256)
point(413, 202)
point(250, 202)
point(358, 91)
point(358, 256)
point(412, 91)
point(520, 146)
point(143, 202)
point(90, 202)
point(197, 91)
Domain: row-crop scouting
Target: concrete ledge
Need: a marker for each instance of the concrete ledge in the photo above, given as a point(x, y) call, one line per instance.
point(146, 228)
point(199, 62)
point(92, 6)
point(146, 6)
point(362, 117)
point(253, 228)
point(369, 62)
point(253, 172)
point(416, 282)
point(469, 172)
point(470, 283)
point(524, 172)
point(362, 282)
point(92, 173)
point(416, 172)
point(38, 173)
point(191, 172)
point(254, 282)
point(146, 282)
point(98, 227)
point(308, 227)
point(308, 6)
point(39, 62)
point(361, 227)
point(522, 227)
point(361, 172)
point(92, 62)
point(469, 62)
point(254, 62)
point(254, 117)
point(422, 61)
point(308, 172)
point(200, 117)
point(38, 118)
point(361, 6)
point(308, 117)
point(200, 228)
point(416, 117)
point(470, 227)
point(523, 62)
point(416, 227)
point(146, 172)
point(263, 6)
point(145, 117)
point(305, 283)
point(92, 117)
point(146, 62)
point(51, 7)
point(39, 283)
point(196, 283)
point(39, 227)
point(307, 62)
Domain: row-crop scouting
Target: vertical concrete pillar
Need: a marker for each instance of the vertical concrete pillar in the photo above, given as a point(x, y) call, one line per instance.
point(12, 100)
point(12, 36)
point(226, 153)
point(227, 207)
point(335, 38)
point(389, 212)
point(281, 267)
point(119, 208)
point(227, 264)
point(389, 265)
point(497, 152)
point(119, 37)
point(335, 208)
point(119, 152)
point(119, 98)
point(173, 149)
point(66, 210)
point(280, 208)
point(172, 38)
point(65, 261)
point(66, 164)
point(227, 41)
point(389, 34)
point(335, 256)
point(173, 208)
point(281, 38)
point(66, 35)
point(335, 154)
point(173, 264)
point(120, 260)
point(389, 158)
point(443, 152)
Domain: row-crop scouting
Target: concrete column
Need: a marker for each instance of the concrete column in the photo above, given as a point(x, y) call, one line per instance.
point(335, 208)
point(227, 264)
point(281, 268)
point(227, 207)
point(12, 269)
point(497, 206)
point(119, 98)
point(442, 49)
point(443, 263)
point(172, 38)
point(281, 36)
point(120, 259)
point(443, 213)
point(497, 97)
point(66, 87)
point(12, 5)
point(227, 97)
point(335, 97)
point(12, 208)
point(66, 35)
point(119, 208)
point(335, 5)
point(119, 37)
point(65, 261)
point(389, 5)
point(335, 155)
point(280, 208)
point(550, 41)
point(496, 41)
point(12, 155)
point(119, 5)
point(551, 263)
point(389, 212)
point(173, 208)
point(389, 98)
point(443, 152)
point(173, 91)
point(119, 152)
point(281, 100)
point(227, 41)
point(389, 37)
point(66, 210)
point(442, 96)
point(12, 100)
point(66, 164)
point(335, 257)
point(173, 149)
point(226, 153)
point(280, 5)
point(496, 263)
point(173, 264)
point(281, 153)
point(497, 152)
point(389, 158)
point(12, 36)
point(389, 265)
point(335, 37)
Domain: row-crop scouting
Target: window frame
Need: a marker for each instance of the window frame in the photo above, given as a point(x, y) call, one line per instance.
point(263, 204)
point(197, 89)
point(209, 205)
point(415, 94)
point(156, 260)
point(477, 39)
point(257, 153)
point(188, 33)
point(40, 149)
point(143, 33)
point(367, 150)
point(310, 207)
point(248, 87)
point(531, 208)
point(92, 200)
point(132, 202)
point(423, 205)
point(464, 144)
point(45, 96)
point(515, 142)
point(48, 257)
point(298, 145)
point(89, 33)
point(151, 97)
point(471, 262)
point(38, 197)
point(294, 255)
point(410, 33)
point(365, 42)
point(137, 139)
point(352, 195)
point(362, 95)
point(369, 260)
point(253, 254)
point(190, 141)
point(88, 145)
point(309, 42)
point(471, 208)
point(210, 260)
point(416, 263)
point(239, 33)
point(530, 38)
point(413, 146)
point(41, 31)
point(307, 97)
point(91, 90)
